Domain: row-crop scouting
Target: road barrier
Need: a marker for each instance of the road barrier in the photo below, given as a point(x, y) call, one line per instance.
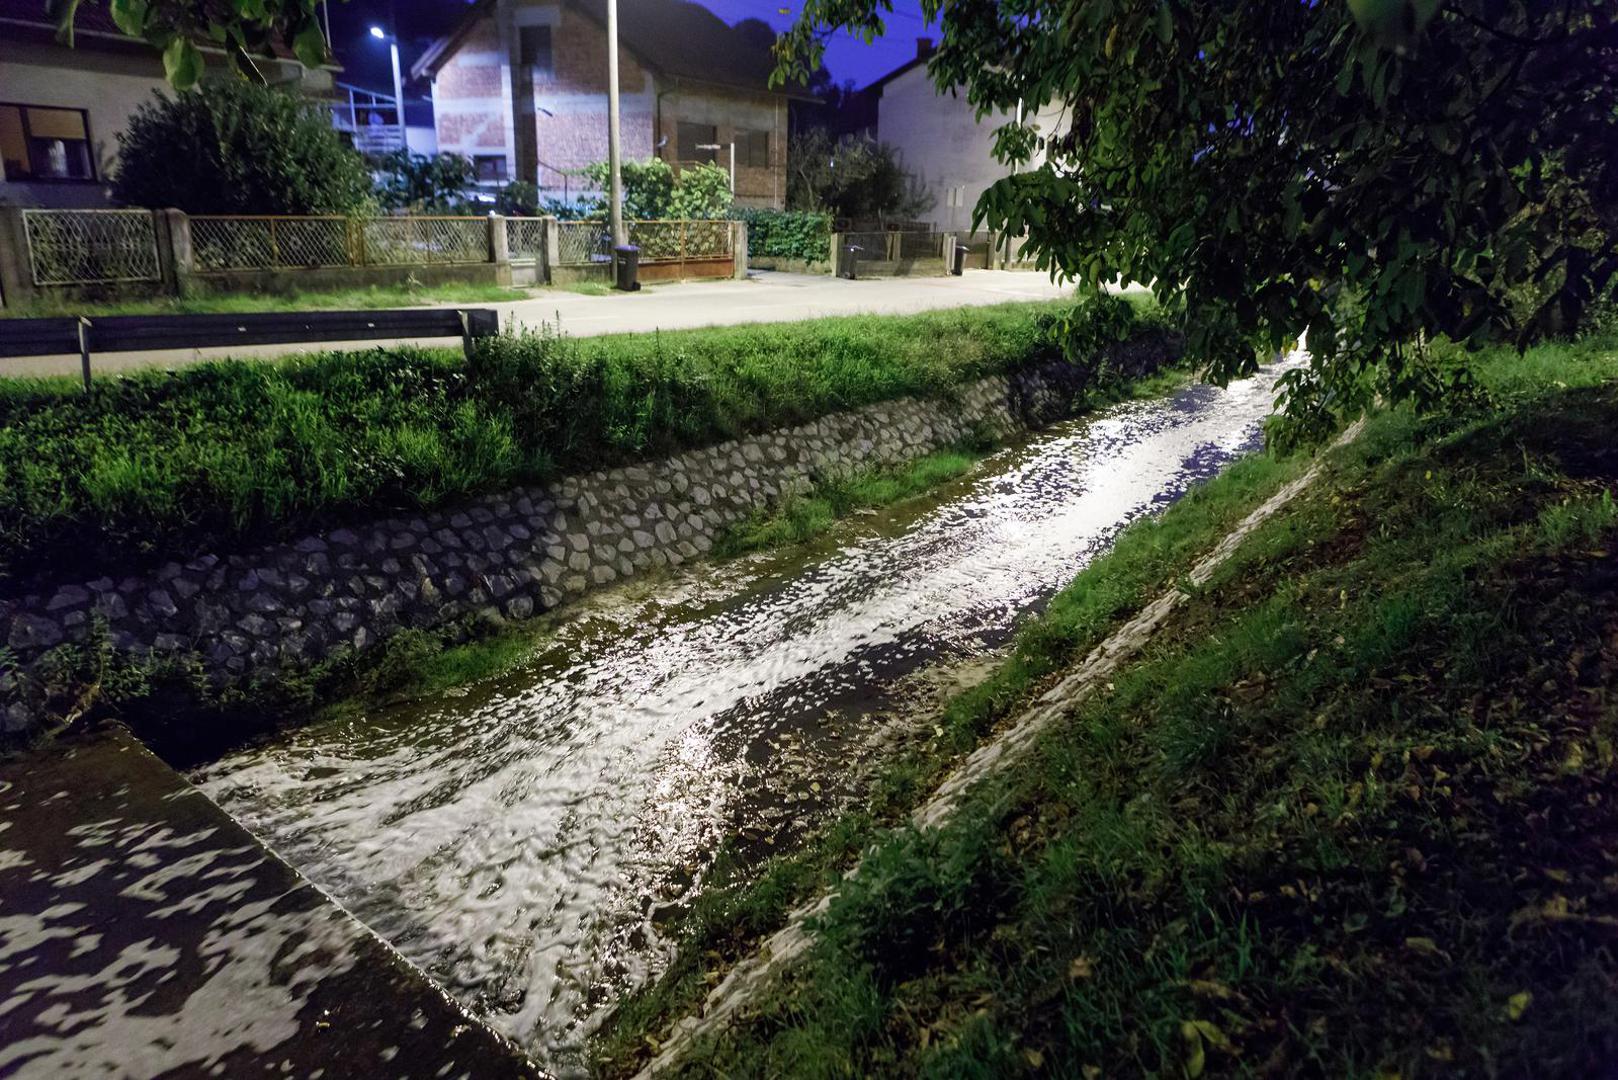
point(134, 333)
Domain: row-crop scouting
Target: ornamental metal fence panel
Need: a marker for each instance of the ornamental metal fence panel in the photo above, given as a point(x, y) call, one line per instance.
point(91, 247)
point(265, 242)
point(920, 245)
point(403, 241)
point(525, 238)
point(583, 243)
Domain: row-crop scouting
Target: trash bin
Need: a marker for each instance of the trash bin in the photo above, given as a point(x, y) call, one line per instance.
point(626, 268)
point(848, 258)
point(957, 258)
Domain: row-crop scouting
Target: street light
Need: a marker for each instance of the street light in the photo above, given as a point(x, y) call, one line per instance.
point(398, 83)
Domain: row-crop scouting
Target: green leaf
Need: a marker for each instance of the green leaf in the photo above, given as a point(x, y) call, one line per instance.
point(1165, 23)
point(310, 46)
point(130, 15)
point(182, 63)
point(61, 12)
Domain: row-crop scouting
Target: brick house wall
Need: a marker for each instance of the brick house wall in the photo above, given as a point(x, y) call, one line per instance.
point(482, 111)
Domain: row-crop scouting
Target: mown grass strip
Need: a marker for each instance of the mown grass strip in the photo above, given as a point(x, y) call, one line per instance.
point(1352, 816)
point(173, 463)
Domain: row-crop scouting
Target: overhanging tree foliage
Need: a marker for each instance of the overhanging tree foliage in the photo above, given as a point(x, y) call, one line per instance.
point(1369, 172)
point(243, 29)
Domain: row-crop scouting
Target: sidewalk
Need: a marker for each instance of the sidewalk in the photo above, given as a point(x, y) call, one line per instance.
point(144, 933)
point(766, 296)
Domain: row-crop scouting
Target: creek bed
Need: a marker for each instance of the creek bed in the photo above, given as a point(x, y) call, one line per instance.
point(524, 841)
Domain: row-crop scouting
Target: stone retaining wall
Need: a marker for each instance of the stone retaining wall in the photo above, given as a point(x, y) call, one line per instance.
point(505, 556)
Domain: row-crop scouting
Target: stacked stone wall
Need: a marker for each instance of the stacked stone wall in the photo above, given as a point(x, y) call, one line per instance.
point(504, 556)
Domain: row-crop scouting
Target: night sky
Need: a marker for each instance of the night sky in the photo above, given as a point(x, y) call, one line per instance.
point(365, 60)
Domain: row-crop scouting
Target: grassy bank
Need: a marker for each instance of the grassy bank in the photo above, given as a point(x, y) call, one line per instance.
point(1350, 815)
point(162, 463)
point(211, 303)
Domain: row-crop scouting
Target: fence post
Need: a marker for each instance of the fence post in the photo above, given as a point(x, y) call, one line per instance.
point(179, 261)
point(893, 245)
point(835, 250)
point(500, 249)
point(553, 246)
point(16, 274)
point(738, 247)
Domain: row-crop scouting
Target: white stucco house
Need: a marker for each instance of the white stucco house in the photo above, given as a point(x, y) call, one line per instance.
point(940, 140)
point(61, 108)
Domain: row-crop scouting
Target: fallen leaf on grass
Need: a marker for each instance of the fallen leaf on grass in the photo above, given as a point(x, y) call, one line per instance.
point(1080, 968)
point(1518, 1003)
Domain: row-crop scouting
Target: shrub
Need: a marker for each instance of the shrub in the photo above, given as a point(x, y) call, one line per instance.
point(423, 183)
point(788, 234)
point(852, 177)
point(233, 147)
point(652, 191)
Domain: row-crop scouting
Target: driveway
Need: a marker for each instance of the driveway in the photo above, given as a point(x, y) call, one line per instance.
point(766, 296)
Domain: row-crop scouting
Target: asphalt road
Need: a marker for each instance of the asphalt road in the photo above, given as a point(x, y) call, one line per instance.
point(766, 296)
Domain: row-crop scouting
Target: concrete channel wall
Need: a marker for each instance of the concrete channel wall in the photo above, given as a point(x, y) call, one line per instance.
point(507, 556)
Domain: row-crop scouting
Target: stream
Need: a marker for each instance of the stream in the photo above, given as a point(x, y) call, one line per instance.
point(526, 840)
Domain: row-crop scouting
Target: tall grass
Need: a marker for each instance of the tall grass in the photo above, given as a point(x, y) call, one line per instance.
point(168, 463)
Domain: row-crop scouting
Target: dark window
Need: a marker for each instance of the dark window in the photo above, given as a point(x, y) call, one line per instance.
point(41, 143)
point(753, 149)
point(696, 142)
point(491, 168)
point(534, 43)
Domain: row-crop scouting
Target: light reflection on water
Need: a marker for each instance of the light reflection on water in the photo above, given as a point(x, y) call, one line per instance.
point(520, 841)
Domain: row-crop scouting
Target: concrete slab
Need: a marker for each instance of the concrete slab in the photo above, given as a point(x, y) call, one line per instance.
point(144, 933)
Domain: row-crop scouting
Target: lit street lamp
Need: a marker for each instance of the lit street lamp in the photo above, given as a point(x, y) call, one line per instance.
point(398, 83)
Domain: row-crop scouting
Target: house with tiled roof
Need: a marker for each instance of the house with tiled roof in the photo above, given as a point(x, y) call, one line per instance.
point(61, 108)
point(520, 87)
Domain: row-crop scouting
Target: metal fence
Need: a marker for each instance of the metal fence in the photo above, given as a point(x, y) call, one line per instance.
point(91, 247)
point(677, 241)
point(583, 243)
point(525, 239)
point(919, 245)
point(261, 242)
point(238, 242)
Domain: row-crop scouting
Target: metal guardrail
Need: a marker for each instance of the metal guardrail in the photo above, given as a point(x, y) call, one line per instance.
point(67, 335)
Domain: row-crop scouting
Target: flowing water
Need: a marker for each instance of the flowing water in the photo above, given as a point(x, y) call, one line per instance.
point(523, 842)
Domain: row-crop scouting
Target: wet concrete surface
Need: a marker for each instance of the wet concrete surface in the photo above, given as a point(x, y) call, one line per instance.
point(143, 933)
point(526, 842)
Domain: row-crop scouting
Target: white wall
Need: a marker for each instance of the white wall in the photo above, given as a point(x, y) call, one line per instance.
point(942, 144)
point(110, 87)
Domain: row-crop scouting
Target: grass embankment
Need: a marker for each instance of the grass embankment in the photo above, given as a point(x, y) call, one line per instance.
point(212, 303)
point(1352, 814)
point(173, 463)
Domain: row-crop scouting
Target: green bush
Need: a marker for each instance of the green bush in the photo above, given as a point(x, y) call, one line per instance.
point(425, 183)
point(172, 463)
point(788, 234)
point(652, 191)
point(233, 147)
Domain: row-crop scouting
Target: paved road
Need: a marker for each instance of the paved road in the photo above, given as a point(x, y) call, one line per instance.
point(765, 297)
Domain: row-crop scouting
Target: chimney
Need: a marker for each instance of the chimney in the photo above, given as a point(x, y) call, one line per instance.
point(924, 48)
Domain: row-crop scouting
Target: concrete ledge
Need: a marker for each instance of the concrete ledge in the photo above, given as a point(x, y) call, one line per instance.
point(147, 934)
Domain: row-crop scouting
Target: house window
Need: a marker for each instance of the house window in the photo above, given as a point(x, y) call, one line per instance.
point(41, 143)
point(534, 47)
point(753, 149)
point(491, 168)
point(692, 136)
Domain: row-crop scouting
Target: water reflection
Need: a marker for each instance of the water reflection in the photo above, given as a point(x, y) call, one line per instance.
point(520, 842)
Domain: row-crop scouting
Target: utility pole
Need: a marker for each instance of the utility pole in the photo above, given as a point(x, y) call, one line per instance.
point(615, 183)
point(398, 94)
